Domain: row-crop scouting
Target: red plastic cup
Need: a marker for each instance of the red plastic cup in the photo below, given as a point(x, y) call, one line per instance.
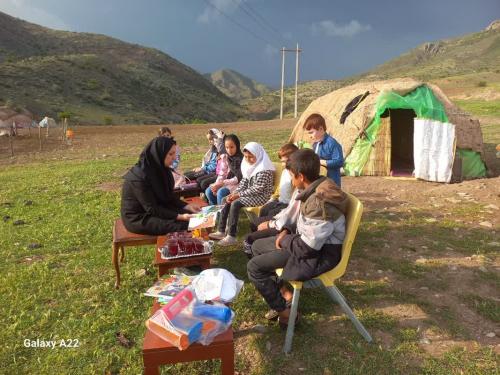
point(172, 246)
point(188, 246)
point(198, 246)
point(182, 245)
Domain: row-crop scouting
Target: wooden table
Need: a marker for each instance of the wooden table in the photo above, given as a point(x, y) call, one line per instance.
point(202, 260)
point(157, 352)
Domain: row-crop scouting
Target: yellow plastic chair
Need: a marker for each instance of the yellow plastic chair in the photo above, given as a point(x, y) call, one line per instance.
point(254, 212)
point(353, 218)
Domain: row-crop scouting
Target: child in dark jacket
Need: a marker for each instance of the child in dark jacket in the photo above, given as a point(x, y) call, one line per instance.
point(307, 247)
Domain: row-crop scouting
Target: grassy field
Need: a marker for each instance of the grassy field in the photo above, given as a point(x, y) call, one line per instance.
point(423, 278)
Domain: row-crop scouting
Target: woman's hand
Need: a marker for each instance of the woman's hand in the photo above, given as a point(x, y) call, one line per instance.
point(197, 169)
point(184, 217)
point(194, 208)
point(279, 238)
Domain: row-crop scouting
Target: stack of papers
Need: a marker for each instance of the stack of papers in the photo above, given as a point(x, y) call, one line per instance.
point(205, 219)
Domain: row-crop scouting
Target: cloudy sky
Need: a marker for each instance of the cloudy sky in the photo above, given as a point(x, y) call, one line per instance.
point(339, 38)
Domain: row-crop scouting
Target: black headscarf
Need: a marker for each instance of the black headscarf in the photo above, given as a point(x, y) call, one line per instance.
point(151, 168)
point(235, 160)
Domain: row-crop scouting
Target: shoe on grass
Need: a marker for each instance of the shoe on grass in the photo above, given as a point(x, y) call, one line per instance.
point(228, 241)
point(273, 314)
point(247, 249)
point(217, 235)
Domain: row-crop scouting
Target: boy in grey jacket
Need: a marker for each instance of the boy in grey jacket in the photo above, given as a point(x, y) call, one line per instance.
point(307, 246)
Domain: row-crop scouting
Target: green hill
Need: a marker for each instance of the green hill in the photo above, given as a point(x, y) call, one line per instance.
point(466, 68)
point(101, 79)
point(472, 53)
point(235, 85)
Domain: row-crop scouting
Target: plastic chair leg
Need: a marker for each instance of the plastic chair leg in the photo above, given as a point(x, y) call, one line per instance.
point(291, 321)
point(337, 296)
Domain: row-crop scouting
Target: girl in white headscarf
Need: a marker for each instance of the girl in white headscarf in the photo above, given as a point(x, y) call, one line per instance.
point(254, 189)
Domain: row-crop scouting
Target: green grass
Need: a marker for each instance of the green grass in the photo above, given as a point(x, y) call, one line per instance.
point(486, 307)
point(64, 289)
point(480, 107)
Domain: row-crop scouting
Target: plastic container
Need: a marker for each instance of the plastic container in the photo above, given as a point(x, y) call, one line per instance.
point(219, 313)
point(160, 326)
point(188, 325)
point(185, 320)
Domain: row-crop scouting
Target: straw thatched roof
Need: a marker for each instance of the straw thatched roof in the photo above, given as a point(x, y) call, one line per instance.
point(332, 105)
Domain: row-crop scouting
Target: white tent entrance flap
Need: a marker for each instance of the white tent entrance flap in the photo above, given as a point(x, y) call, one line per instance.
point(433, 146)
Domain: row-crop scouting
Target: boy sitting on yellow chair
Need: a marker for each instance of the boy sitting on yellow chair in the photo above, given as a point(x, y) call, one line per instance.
point(306, 248)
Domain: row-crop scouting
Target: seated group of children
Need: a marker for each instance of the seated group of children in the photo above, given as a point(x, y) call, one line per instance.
point(300, 228)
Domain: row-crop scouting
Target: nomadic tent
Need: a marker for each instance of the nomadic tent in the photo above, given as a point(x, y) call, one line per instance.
point(400, 127)
point(47, 122)
point(8, 117)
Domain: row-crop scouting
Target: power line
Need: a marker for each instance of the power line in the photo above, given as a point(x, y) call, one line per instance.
point(266, 23)
point(241, 5)
point(240, 25)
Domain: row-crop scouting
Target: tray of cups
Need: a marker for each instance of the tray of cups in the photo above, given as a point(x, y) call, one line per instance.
point(182, 245)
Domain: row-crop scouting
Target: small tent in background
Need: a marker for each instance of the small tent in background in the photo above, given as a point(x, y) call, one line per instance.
point(400, 127)
point(12, 119)
point(47, 122)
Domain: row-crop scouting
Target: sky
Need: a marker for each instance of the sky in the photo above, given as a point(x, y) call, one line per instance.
point(338, 38)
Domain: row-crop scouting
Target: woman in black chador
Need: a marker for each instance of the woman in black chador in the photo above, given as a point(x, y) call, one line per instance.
point(149, 205)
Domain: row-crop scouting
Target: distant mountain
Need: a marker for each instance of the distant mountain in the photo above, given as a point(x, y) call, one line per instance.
point(466, 67)
point(236, 85)
point(101, 79)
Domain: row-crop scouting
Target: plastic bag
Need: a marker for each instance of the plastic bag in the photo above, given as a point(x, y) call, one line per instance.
point(216, 284)
point(185, 320)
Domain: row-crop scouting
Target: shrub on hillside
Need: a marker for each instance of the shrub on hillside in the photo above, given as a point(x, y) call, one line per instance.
point(64, 114)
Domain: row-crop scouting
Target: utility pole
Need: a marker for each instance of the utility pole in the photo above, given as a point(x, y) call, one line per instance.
point(283, 50)
point(282, 80)
point(296, 78)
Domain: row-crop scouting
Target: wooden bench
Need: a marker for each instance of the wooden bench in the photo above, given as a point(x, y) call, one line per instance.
point(121, 238)
point(157, 352)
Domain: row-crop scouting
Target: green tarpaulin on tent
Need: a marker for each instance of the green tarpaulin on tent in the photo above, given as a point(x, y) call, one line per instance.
point(423, 102)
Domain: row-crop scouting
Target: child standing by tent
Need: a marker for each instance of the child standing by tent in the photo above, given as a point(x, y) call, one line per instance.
point(253, 190)
point(325, 146)
point(228, 171)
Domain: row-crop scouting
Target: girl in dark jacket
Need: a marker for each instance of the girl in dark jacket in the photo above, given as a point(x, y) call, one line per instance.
point(148, 203)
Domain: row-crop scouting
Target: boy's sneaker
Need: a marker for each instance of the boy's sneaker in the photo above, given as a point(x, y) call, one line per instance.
point(247, 248)
point(228, 241)
point(217, 235)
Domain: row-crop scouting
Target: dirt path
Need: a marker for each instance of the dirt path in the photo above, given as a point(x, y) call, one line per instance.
point(420, 217)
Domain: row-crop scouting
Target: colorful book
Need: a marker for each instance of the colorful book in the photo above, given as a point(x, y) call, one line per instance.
point(205, 219)
point(168, 287)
